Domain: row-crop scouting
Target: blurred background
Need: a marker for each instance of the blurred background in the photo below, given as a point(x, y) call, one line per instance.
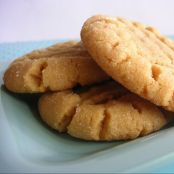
point(30, 20)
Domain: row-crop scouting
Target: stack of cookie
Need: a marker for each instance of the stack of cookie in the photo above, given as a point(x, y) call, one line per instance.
point(81, 81)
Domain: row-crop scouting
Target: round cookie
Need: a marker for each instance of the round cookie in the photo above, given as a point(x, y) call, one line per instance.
point(135, 55)
point(103, 113)
point(58, 67)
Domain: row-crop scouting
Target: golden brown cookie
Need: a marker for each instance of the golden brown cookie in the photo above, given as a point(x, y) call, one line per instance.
point(135, 55)
point(59, 67)
point(106, 112)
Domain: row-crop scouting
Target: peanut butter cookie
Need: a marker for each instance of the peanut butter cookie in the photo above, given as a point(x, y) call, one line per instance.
point(103, 113)
point(59, 67)
point(135, 55)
